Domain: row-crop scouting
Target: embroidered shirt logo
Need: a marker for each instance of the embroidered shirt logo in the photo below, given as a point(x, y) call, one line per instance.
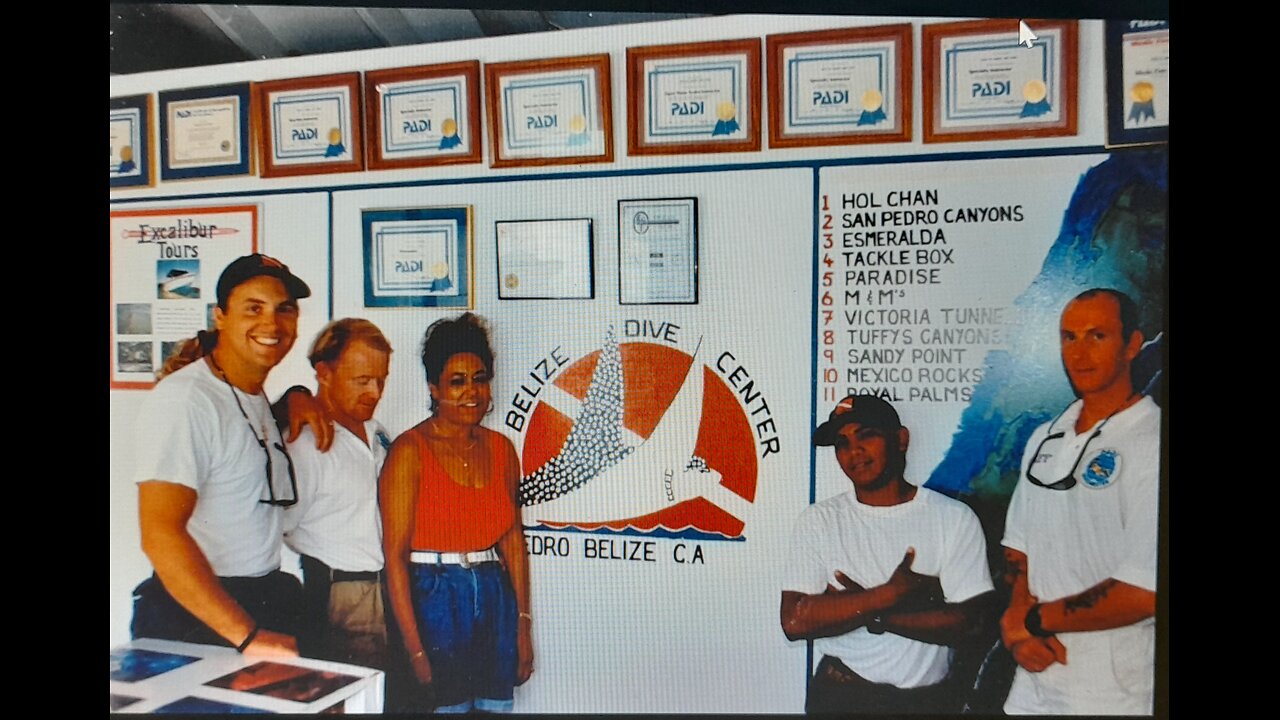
point(1102, 469)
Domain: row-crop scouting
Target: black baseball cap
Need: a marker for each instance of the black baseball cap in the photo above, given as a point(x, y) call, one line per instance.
point(866, 410)
point(251, 266)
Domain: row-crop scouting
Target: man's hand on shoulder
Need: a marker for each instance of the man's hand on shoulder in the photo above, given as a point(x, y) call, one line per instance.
point(304, 410)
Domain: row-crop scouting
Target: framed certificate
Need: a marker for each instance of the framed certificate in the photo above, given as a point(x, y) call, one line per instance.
point(840, 87)
point(550, 112)
point(204, 132)
point(658, 251)
point(694, 98)
point(418, 257)
point(131, 139)
point(545, 259)
point(310, 125)
point(427, 115)
point(165, 264)
point(981, 84)
point(1137, 82)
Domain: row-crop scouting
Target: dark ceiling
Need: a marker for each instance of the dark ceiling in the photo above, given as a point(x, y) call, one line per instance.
point(146, 37)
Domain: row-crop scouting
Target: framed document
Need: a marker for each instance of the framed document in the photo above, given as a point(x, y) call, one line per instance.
point(1137, 82)
point(550, 112)
point(658, 251)
point(131, 142)
point(418, 257)
point(840, 87)
point(694, 98)
point(427, 115)
point(204, 132)
point(981, 84)
point(310, 125)
point(545, 259)
point(164, 266)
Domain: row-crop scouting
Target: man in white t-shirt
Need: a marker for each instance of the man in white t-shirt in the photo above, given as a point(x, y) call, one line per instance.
point(214, 475)
point(885, 578)
point(335, 526)
point(1081, 535)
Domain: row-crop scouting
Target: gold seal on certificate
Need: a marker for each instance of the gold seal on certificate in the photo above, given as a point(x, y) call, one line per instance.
point(983, 82)
point(512, 281)
point(840, 87)
point(701, 97)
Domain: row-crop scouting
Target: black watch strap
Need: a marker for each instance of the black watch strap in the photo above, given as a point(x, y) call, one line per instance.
point(1032, 623)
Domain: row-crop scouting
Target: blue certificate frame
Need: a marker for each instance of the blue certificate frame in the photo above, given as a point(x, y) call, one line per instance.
point(227, 106)
point(1137, 115)
point(418, 257)
point(131, 142)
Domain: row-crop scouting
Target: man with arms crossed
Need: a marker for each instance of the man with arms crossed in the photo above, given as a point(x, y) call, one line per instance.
point(214, 475)
point(1081, 533)
point(335, 526)
point(886, 578)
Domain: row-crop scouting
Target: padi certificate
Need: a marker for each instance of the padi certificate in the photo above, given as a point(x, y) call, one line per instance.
point(990, 79)
point(126, 142)
point(701, 98)
point(552, 114)
point(840, 88)
point(1146, 78)
point(544, 259)
point(658, 251)
point(310, 126)
point(425, 118)
point(203, 132)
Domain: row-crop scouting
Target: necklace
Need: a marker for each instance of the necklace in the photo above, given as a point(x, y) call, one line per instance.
point(466, 462)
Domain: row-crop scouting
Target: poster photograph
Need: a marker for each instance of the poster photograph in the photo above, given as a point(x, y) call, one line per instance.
point(164, 266)
point(981, 83)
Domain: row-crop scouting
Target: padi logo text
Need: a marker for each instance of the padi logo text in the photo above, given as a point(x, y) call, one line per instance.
point(416, 126)
point(831, 97)
point(539, 122)
point(695, 107)
point(991, 89)
point(304, 134)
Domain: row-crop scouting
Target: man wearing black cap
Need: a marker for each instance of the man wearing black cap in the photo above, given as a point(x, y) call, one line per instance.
point(885, 578)
point(214, 475)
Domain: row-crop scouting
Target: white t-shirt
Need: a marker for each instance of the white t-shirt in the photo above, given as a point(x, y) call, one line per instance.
point(336, 519)
point(867, 543)
point(1103, 527)
point(190, 432)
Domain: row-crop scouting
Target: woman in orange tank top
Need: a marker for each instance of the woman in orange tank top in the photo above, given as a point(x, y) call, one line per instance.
point(456, 569)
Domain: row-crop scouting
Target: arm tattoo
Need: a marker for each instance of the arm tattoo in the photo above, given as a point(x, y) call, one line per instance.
point(1088, 598)
point(1016, 566)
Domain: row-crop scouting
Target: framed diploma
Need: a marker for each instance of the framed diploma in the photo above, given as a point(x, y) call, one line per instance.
point(418, 257)
point(427, 115)
point(310, 125)
point(165, 264)
point(550, 112)
point(981, 84)
point(694, 98)
point(204, 132)
point(545, 259)
point(840, 87)
point(131, 148)
point(1137, 82)
point(658, 251)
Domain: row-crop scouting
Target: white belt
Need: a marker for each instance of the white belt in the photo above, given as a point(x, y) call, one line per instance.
point(465, 559)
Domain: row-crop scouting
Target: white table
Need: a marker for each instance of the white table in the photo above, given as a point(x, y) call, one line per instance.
point(188, 683)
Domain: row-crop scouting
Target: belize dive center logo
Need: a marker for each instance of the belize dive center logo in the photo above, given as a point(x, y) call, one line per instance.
point(642, 438)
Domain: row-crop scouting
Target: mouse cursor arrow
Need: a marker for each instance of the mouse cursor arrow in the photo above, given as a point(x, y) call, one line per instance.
point(1025, 36)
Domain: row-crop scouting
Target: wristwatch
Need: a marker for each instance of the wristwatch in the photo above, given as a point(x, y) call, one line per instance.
point(1032, 623)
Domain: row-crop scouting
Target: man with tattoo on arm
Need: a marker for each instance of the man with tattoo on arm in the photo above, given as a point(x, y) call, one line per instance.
point(1081, 534)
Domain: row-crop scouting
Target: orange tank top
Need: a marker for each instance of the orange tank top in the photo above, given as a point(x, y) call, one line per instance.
point(453, 518)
